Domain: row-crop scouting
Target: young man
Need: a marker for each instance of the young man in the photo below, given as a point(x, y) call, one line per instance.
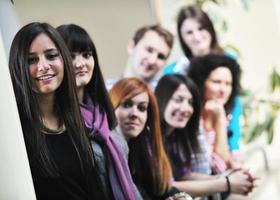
point(147, 54)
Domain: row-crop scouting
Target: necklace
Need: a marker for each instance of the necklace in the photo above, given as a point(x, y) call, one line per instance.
point(49, 131)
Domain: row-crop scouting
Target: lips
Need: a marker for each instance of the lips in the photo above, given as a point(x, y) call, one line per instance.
point(181, 116)
point(81, 73)
point(45, 77)
point(132, 124)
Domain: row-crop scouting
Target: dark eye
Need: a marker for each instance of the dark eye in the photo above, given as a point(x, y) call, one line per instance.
point(142, 107)
point(228, 83)
point(73, 56)
point(127, 104)
point(201, 28)
point(190, 102)
point(87, 54)
point(162, 56)
point(178, 99)
point(52, 56)
point(150, 49)
point(32, 60)
point(189, 32)
point(216, 81)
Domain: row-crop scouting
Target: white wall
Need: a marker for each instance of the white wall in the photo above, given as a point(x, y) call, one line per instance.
point(256, 33)
point(111, 23)
point(15, 177)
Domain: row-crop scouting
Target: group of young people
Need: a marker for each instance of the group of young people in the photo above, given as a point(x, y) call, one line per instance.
point(145, 138)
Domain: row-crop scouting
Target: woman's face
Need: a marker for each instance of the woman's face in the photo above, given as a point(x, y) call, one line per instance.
point(218, 85)
point(83, 63)
point(132, 115)
point(46, 66)
point(197, 38)
point(179, 109)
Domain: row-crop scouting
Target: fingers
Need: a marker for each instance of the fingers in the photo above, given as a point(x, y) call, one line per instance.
point(213, 106)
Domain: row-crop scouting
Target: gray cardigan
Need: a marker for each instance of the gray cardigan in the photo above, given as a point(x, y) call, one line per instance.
point(100, 160)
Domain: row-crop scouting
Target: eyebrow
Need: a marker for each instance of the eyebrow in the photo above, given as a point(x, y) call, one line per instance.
point(46, 51)
point(140, 102)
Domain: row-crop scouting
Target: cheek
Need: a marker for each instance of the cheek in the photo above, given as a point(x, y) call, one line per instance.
point(211, 87)
point(91, 64)
point(61, 73)
point(161, 64)
point(191, 110)
point(91, 70)
point(167, 113)
point(209, 92)
point(144, 117)
point(120, 114)
point(187, 39)
point(206, 35)
point(229, 91)
point(32, 70)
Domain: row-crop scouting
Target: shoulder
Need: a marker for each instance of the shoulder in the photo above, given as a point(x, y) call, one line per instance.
point(111, 82)
point(178, 66)
point(231, 55)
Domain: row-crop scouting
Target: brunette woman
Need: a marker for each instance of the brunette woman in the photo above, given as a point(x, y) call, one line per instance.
point(98, 114)
point(179, 103)
point(59, 151)
point(197, 38)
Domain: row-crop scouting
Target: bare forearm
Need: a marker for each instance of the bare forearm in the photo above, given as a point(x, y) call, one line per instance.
point(197, 176)
point(221, 140)
point(202, 187)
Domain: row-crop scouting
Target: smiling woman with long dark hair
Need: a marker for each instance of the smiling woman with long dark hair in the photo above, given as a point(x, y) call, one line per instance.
point(179, 102)
point(59, 151)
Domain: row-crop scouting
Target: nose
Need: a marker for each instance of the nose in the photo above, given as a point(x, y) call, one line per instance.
point(78, 61)
point(186, 107)
point(134, 112)
point(197, 35)
point(222, 88)
point(153, 58)
point(43, 65)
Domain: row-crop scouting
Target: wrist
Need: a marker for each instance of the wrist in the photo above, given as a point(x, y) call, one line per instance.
point(228, 185)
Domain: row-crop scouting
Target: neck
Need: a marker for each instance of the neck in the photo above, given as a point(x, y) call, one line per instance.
point(80, 94)
point(49, 117)
point(118, 129)
point(201, 52)
point(169, 130)
point(129, 72)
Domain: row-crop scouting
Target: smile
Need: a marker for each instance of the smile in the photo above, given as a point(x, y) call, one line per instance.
point(45, 77)
point(81, 73)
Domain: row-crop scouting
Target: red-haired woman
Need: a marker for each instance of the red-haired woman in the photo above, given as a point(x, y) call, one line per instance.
point(138, 121)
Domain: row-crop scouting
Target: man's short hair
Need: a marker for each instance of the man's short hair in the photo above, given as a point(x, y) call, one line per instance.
point(167, 36)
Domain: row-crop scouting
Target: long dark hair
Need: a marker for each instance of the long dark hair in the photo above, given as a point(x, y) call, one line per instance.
point(200, 69)
point(148, 161)
point(65, 101)
point(78, 40)
point(186, 137)
point(195, 12)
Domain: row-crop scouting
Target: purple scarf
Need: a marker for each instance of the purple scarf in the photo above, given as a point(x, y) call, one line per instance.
point(118, 171)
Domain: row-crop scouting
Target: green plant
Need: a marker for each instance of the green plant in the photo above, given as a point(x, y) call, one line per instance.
point(260, 114)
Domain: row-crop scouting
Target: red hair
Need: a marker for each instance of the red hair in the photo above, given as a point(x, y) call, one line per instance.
point(159, 164)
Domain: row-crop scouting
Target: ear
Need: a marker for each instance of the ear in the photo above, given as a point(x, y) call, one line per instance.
point(130, 47)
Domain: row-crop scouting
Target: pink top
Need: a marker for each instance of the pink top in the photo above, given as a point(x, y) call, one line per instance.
point(218, 165)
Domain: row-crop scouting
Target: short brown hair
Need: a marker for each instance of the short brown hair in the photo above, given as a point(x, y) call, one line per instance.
point(167, 36)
